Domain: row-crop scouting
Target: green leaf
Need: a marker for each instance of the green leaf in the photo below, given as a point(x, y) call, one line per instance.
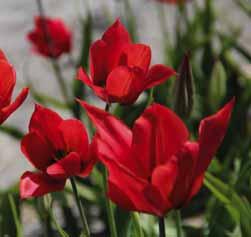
point(237, 207)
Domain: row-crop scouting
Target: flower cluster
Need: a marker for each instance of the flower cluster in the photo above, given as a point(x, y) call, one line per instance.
point(153, 167)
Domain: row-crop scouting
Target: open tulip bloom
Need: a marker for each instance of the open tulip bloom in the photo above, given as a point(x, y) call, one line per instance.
point(50, 37)
point(7, 84)
point(120, 70)
point(153, 167)
point(58, 148)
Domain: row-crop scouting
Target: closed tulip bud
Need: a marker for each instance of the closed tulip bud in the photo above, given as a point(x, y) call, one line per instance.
point(217, 85)
point(183, 90)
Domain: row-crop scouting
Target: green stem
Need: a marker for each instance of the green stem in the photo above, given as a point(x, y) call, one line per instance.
point(150, 98)
point(178, 223)
point(15, 216)
point(86, 230)
point(108, 203)
point(60, 80)
point(109, 208)
point(136, 221)
point(162, 232)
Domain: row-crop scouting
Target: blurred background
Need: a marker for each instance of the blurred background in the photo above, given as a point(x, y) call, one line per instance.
point(149, 18)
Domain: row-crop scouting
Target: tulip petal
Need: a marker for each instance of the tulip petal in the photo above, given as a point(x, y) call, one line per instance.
point(68, 166)
point(158, 74)
point(157, 135)
point(211, 133)
point(99, 91)
point(187, 158)
point(195, 187)
point(2, 56)
point(36, 150)
point(131, 185)
point(164, 178)
point(8, 110)
point(75, 137)
point(45, 122)
point(110, 129)
point(105, 53)
point(124, 84)
point(136, 55)
point(7, 82)
point(38, 184)
point(92, 159)
point(98, 62)
point(116, 34)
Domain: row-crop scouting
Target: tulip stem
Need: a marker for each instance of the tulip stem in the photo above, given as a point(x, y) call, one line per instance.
point(108, 203)
point(80, 208)
point(136, 221)
point(109, 208)
point(60, 80)
point(177, 217)
point(162, 232)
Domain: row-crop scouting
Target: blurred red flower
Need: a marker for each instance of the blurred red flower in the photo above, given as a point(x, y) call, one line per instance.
point(51, 37)
point(58, 148)
point(7, 84)
point(120, 69)
point(154, 167)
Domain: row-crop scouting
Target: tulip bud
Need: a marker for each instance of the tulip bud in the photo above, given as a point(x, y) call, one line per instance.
point(217, 85)
point(183, 89)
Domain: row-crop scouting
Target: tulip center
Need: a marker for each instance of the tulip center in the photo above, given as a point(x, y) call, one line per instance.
point(59, 154)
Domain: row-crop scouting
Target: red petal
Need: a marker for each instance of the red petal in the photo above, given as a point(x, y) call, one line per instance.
point(98, 62)
point(99, 91)
point(92, 159)
point(75, 137)
point(7, 82)
point(211, 133)
point(110, 129)
point(158, 74)
point(105, 53)
point(124, 85)
point(195, 187)
point(164, 178)
point(38, 184)
point(37, 151)
point(157, 135)
point(121, 198)
point(136, 55)
point(116, 33)
point(132, 187)
point(8, 110)
point(154, 197)
point(187, 159)
point(70, 165)
point(2, 56)
point(45, 122)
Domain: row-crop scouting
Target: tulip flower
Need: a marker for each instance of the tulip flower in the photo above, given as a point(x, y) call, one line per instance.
point(7, 84)
point(120, 69)
point(153, 167)
point(50, 37)
point(58, 149)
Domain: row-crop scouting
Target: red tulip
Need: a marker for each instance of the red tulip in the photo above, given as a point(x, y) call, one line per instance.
point(51, 37)
point(58, 148)
point(120, 69)
point(153, 167)
point(7, 84)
